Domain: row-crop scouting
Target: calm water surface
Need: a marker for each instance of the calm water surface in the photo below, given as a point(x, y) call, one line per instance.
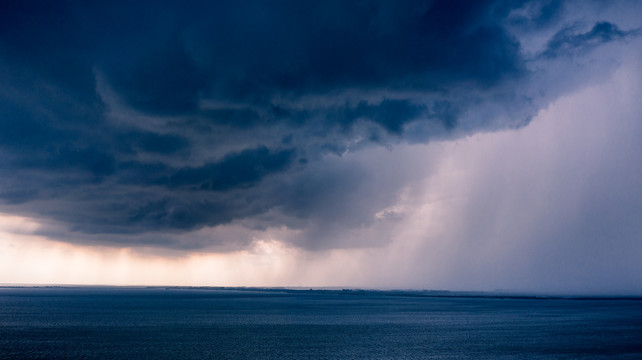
point(130, 323)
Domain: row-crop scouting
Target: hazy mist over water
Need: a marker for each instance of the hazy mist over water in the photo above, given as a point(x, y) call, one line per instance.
point(192, 323)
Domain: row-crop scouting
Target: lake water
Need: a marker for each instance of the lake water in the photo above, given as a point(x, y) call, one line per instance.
point(172, 323)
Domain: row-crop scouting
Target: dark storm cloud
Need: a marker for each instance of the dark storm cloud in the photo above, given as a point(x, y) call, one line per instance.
point(568, 41)
point(538, 14)
point(243, 169)
point(156, 143)
point(141, 117)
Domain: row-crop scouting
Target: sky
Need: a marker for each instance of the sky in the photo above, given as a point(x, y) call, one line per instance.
point(457, 145)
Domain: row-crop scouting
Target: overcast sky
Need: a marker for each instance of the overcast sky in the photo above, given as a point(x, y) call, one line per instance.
point(464, 145)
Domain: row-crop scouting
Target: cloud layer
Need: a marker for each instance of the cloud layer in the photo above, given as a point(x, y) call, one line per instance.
point(545, 208)
point(130, 127)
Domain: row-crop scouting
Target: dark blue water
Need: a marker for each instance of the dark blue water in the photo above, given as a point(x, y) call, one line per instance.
point(126, 323)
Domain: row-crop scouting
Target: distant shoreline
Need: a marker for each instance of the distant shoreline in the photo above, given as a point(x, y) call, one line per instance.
point(350, 291)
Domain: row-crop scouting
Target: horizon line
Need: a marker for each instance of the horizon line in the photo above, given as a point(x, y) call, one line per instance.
point(415, 292)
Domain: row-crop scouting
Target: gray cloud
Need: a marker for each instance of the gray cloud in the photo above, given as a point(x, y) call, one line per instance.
point(138, 127)
point(568, 42)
